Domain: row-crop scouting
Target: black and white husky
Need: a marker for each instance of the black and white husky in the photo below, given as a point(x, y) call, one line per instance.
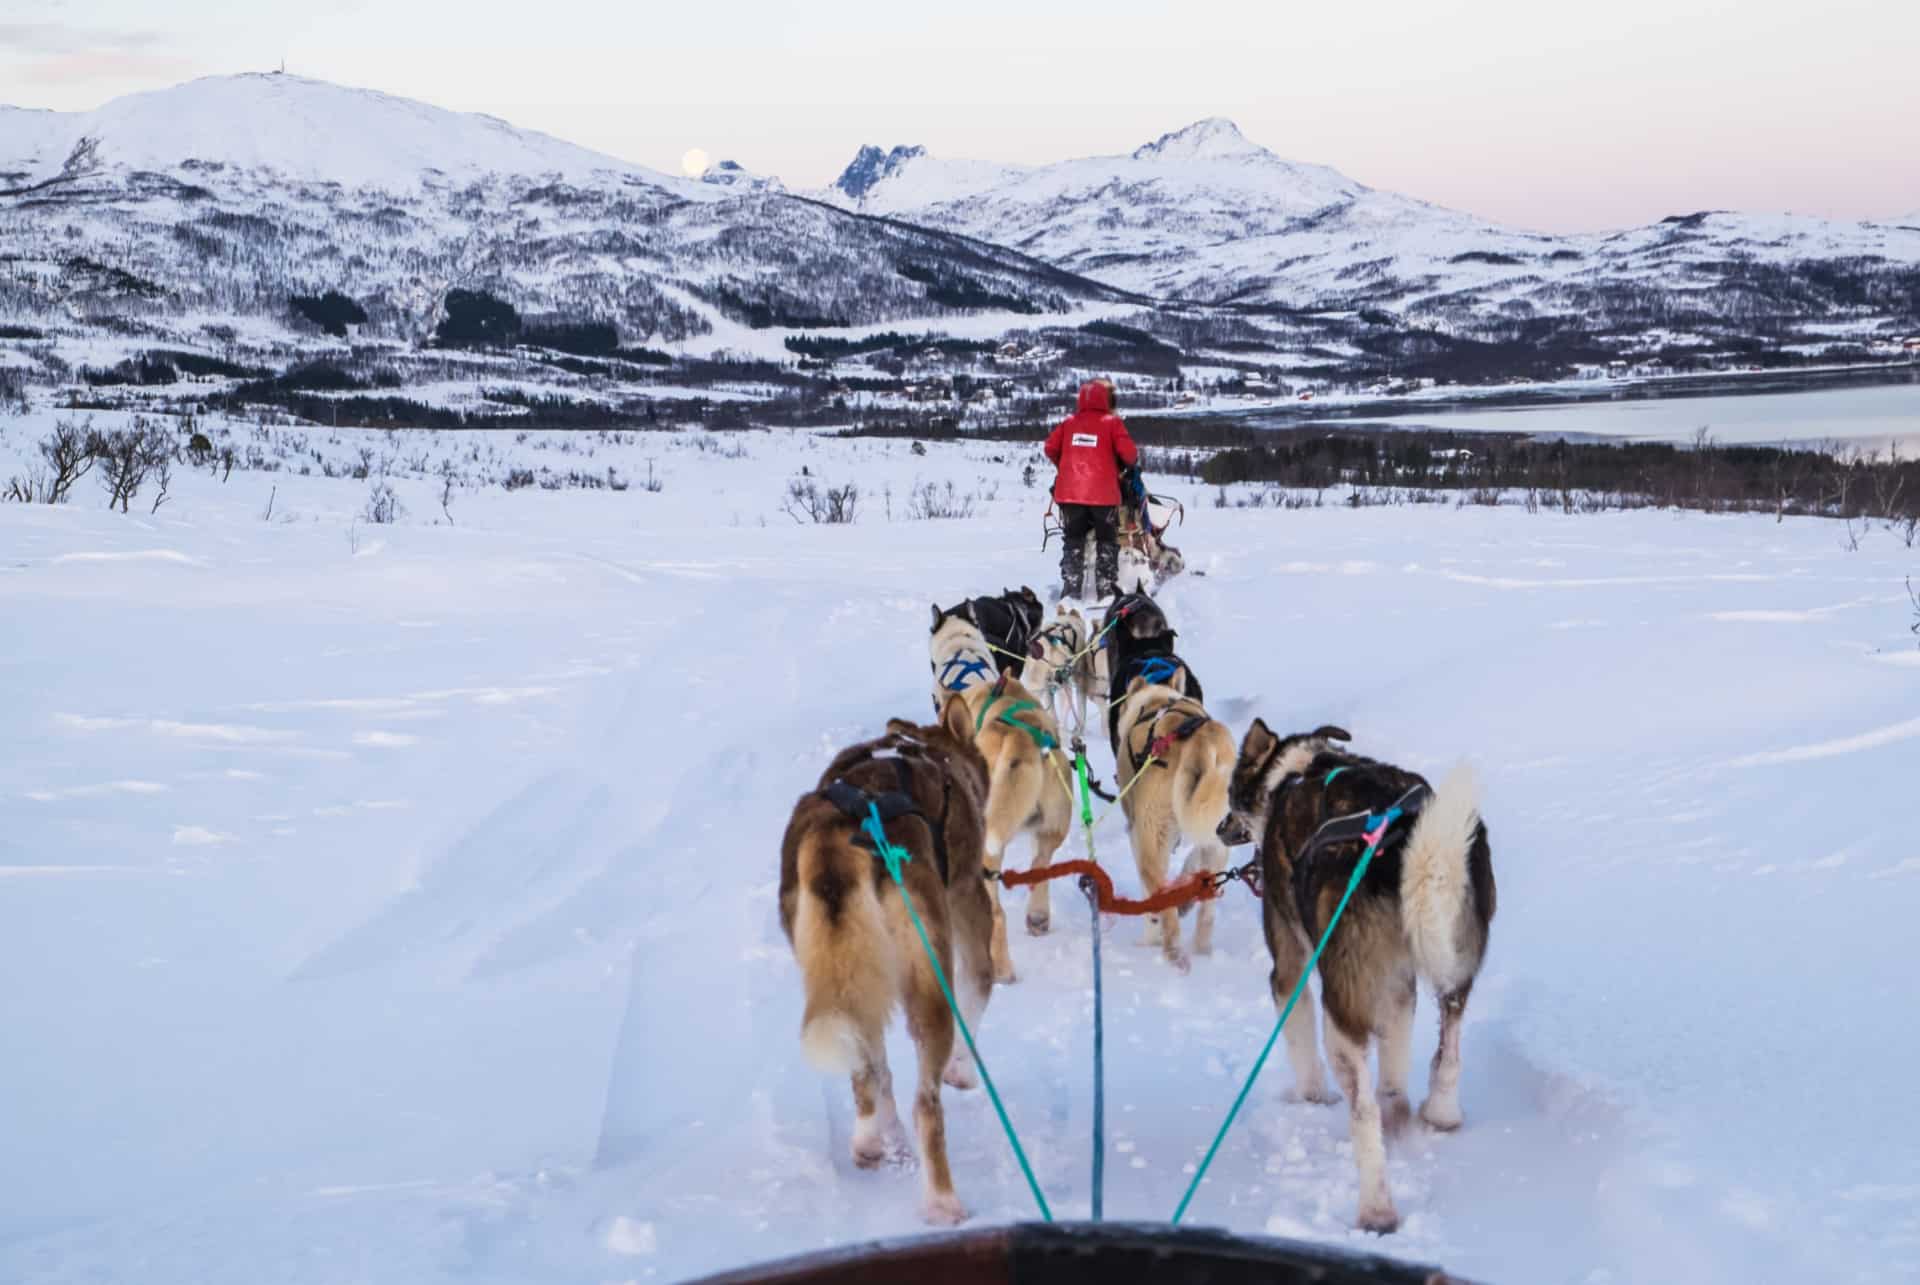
point(1422, 910)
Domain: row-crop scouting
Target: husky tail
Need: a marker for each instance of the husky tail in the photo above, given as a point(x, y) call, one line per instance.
point(1446, 884)
point(1200, 802)
point(846, 954)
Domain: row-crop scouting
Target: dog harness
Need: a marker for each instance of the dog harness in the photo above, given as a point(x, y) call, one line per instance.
point(858, 805)
point(1367, 827)
point(1155, 669)
point(959, 672)
point(1020, 633)
point(1063, 634)
point(1157, 746)
point(1009, 715)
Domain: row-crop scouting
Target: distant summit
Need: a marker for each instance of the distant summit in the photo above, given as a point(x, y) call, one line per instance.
point(870, 165)
point(1209, 139)
point(734, 175)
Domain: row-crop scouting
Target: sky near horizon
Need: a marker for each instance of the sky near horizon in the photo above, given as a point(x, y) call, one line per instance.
point(1538, 116)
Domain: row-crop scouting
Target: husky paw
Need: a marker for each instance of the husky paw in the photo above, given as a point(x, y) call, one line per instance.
point(1178, 958)
point(1318, 1094)
point(1441, 1117)
point(943, 1209)
point(960, 1075)
point(1381, 1219)
point(1037, 925)
point(881, 1146)
point(1003, 975)
point(1396, 1113)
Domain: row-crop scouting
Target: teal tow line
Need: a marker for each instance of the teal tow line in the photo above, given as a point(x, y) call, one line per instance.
point(1375, 835)
point(895, 857)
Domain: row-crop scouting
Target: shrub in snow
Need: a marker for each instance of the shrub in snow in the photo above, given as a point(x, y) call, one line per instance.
point(832, 505)
point(929, 502)
point(383, 506)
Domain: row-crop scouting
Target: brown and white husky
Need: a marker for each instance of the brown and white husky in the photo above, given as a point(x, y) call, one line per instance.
point(860, 957)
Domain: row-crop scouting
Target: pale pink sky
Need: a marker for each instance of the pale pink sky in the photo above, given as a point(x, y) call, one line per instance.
point(1540, 115)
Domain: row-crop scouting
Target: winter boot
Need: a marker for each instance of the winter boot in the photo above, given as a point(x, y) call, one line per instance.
point(1106, 569)
point(1073, 568)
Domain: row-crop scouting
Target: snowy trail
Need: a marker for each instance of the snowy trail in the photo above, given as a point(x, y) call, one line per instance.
point(410, 914)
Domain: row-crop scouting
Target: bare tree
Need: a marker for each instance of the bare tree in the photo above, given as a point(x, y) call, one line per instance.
point(163, 476)
point(128, 457)
point(69, 452)
point(1841, 474)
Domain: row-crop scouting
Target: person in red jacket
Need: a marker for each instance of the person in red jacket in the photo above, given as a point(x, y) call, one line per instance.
point(1089, 449)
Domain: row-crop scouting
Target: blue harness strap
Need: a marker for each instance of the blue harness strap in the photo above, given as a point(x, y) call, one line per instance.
point(1157, 669)
point(967, 670)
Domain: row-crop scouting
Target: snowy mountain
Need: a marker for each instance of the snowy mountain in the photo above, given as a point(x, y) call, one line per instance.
point(228, 196)
point(878, 182)
point(307, 131)
point(195, 217)
point(1205, 215)
point(732, 174)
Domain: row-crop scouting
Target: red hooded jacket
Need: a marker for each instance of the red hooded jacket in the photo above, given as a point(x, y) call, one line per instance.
point(1090, 448)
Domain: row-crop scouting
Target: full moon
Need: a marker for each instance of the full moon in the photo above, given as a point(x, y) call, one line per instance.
point(694, 163)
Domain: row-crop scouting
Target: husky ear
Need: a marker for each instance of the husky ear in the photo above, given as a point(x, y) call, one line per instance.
point(1258, 740)
point(934, 628)
point(901, 727)
point(955, 719)
point(1135, 685)
point(1178, 679)
point(1328, 732)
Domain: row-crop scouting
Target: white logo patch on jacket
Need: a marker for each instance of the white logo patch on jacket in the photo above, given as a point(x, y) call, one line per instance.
point(1086, 439)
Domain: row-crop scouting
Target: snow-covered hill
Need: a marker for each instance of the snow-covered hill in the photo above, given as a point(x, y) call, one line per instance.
point(227, 196)
point(307, 131)
point(1204, 214)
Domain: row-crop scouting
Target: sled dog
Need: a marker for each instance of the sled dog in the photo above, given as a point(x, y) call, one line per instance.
point(859, 954)
point(1175, 764)
point(959, 657)
point(1026, 794)
point(1008, 622)
point(1421, 911)
point(1139, 644)
point(1059, 670)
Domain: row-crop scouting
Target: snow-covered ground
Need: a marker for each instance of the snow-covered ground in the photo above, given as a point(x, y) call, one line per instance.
point(397, 903)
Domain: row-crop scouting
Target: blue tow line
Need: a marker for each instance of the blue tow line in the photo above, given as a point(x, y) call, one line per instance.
point(1092, 891)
